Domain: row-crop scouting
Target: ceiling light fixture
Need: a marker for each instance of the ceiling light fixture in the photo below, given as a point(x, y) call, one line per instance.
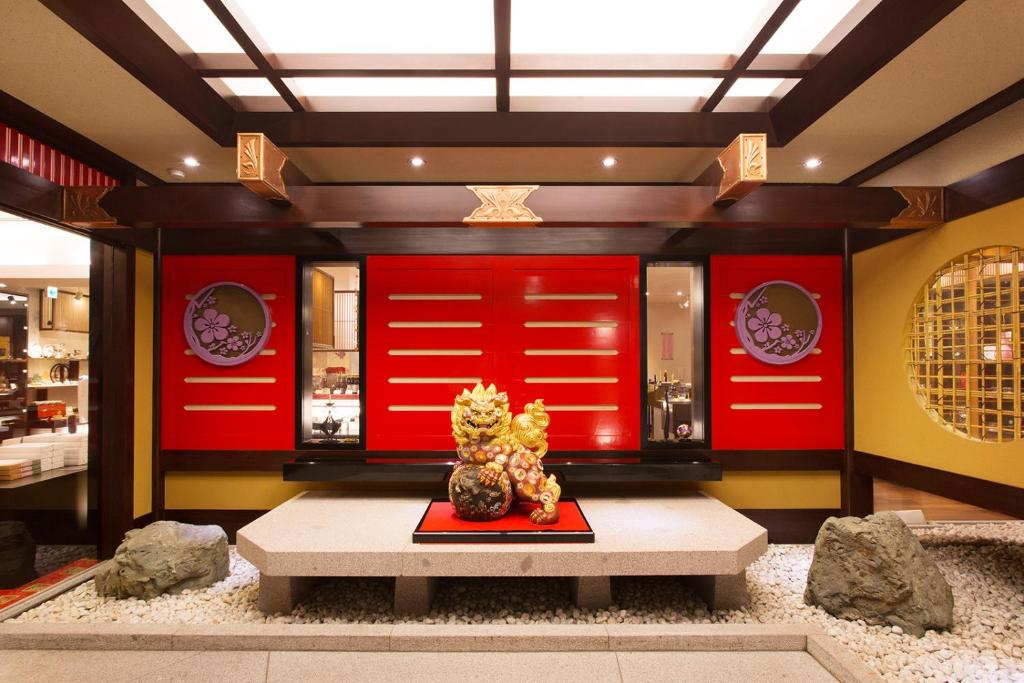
point(679, 293)
point(3, 285)
point(813, 162)
point(416, 162)
point(175, 173)
point(191, 162)
point(609, 161)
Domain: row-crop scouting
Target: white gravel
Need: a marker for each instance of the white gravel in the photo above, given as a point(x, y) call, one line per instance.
point(984, 563)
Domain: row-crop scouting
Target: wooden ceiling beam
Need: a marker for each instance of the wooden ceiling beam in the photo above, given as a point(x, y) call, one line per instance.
point(502, 129)
point(625, 206)
point(502, 52)
point(994, 186)
point(753, 50)
point(738, 170)
point(119, 33)
point(965, 119)
point(885, 32)
point(245, 37)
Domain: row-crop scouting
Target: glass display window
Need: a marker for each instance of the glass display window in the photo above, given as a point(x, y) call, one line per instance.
point(674, 357)
point(331, 348)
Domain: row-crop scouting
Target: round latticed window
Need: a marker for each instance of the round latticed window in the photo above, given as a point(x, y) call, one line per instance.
point(964, 344)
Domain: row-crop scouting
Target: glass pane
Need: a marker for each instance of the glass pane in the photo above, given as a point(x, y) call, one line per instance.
point(674, 402)
point(332, 339)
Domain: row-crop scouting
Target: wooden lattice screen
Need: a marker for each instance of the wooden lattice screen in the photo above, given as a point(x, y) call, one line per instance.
point(964, 344)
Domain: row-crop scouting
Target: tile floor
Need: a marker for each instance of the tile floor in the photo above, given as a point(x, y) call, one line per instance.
point(55, 666)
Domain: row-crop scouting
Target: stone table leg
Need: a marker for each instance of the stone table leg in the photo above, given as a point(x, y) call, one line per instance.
point(413, 595)
point(280, 593)
point(592, 592)
point(723, 592)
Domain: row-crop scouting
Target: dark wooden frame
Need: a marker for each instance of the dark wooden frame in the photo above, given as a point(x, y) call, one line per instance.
point(701, 353)
point(304, 355)
point(112, 390)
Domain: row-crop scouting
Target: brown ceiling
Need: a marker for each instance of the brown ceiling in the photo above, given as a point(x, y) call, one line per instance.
point(970, 55)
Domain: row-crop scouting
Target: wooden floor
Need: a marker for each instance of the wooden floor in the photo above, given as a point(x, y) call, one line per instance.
point(890, 496)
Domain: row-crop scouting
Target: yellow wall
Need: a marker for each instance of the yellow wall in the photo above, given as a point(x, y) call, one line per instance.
point(888, 419)
point(143, 484)
point(776, 490)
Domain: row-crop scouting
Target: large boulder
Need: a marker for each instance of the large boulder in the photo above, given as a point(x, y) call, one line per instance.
point(17, 555)
point(875, 569)
point(165, 557)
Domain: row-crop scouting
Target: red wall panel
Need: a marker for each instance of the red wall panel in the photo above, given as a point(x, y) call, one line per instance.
point(231, 429)
point(771, 429)
point(500, 301)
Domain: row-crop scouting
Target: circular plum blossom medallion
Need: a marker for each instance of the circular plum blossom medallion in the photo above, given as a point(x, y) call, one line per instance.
point(227, 323)
point(778, 322)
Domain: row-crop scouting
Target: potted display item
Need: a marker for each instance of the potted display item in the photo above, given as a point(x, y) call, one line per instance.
point(500, 458)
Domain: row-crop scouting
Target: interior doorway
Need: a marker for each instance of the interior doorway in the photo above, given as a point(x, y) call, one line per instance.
point(47, 525)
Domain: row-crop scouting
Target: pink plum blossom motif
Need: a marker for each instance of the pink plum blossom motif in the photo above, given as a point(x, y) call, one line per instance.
point(780, 336)
point(213, 325)
point(765, 325)
point(213, 332)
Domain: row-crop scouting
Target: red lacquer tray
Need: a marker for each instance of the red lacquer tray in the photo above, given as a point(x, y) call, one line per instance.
point(440, 525)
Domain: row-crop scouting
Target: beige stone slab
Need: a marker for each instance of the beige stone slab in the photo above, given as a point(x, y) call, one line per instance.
point(414, 595)
point(300, 637)
point(278, 594)
point(85, 666)
point(442, 667)
point(723, 592)
point(325, 533)
point(215, 667)
point(714, 667)
point(592, 592)
point(711, 637)
point(840, 662)
point(494, 638)
point(37, 636)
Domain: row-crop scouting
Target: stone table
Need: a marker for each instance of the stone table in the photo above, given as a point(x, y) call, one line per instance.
point(332, 534)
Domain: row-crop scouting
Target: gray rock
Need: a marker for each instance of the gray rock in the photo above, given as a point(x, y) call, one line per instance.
point(876, 570)
point(165, 557)
point(17, 555)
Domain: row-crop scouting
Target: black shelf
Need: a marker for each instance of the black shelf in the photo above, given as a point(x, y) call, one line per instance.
point(668, 467)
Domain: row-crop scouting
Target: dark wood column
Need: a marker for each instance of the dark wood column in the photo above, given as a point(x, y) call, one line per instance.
point(111, 391)
point(856, 490)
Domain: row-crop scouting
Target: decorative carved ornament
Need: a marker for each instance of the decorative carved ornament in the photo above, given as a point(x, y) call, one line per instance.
point(227, 323)
point(502, 206)
point(260, 163)
point(925, 207)
point(778, 322)
point(81, 207)
point(744, 166)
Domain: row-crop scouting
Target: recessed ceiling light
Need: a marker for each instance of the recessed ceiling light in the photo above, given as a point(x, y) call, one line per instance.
point(416, 161)
point(175, 173)
point(191, 162)
point(609, 161)
point(813, 162)
point(2, 285)
point(679, 293)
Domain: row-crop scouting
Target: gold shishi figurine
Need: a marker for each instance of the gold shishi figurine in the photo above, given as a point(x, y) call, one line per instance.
point(500, 458)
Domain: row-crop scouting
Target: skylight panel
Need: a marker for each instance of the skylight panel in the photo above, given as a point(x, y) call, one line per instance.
point(754, 87)
point(808, 25)
point(394, 87)
point(250, 87)
point(601, 27)
point(377, 27)
point(196, 25)
point(612, 87)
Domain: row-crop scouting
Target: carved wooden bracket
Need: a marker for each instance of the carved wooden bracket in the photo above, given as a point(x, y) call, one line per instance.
point(260, 166)
point(81, 207)
point(739, 169)
point(926, 207)
point(502, 206)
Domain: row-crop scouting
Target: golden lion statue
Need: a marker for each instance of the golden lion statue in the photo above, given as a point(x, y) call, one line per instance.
point(499, 455)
